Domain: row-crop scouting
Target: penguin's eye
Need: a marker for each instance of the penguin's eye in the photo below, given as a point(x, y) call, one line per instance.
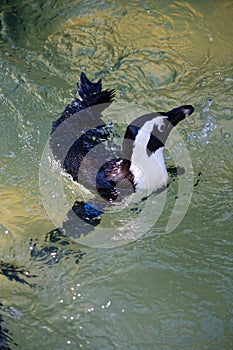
point(161, 127)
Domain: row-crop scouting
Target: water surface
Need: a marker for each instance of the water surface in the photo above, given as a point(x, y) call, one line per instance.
point(163, 291)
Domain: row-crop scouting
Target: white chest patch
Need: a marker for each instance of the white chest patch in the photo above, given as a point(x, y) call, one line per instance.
point(148, 169)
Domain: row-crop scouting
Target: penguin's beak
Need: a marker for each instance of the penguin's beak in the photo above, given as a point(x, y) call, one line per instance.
point(177, 114)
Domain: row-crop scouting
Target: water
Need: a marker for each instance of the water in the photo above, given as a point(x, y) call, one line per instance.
point(162, 291)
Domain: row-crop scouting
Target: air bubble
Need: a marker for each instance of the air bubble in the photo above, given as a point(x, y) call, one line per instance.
point(53, 195)
point(11, 155)
point(227, 111)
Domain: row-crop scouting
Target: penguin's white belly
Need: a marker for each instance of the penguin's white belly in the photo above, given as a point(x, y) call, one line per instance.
point(149, 170)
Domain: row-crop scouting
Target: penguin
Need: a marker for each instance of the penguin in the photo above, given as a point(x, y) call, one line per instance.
point(140, 166)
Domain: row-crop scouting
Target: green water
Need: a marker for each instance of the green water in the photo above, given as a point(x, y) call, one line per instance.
point(162, 291)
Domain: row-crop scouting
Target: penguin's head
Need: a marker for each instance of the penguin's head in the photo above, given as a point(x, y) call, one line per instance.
point(153, 129)
point(144, 142)
point(178, 114)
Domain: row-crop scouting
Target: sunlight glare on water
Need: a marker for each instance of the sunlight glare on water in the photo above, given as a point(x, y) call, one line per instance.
point(162, 291)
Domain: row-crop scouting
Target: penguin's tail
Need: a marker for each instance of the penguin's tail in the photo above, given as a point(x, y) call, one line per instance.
point(92, 94)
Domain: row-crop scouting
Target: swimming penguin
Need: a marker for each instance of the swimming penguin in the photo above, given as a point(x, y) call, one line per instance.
point(141, 163)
